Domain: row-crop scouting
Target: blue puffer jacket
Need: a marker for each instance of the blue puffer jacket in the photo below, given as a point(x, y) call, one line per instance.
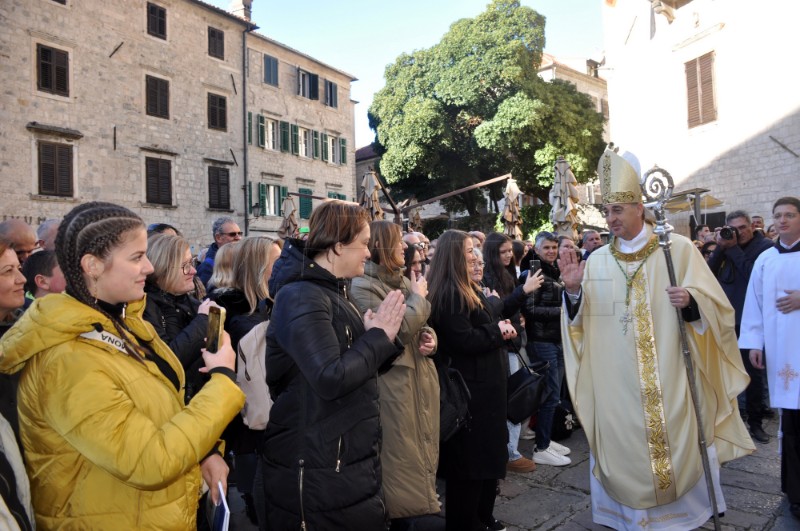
point(321, 447)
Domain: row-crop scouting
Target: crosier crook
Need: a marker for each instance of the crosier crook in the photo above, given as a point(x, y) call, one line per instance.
point(657, 188)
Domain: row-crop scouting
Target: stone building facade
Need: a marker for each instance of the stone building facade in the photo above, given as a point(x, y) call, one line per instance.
point(146, 104)
point(300, 132)
point(705, 92)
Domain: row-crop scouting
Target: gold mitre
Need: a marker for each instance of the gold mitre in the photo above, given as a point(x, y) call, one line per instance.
point(619, 180)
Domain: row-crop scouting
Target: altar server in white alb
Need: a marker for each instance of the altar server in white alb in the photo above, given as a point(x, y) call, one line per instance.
point(771, 319)
point(626, 373)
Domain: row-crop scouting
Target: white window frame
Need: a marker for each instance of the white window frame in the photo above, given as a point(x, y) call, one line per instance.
point(273, 206)
point(272, 134)
point(304, 141)
point(333, 149)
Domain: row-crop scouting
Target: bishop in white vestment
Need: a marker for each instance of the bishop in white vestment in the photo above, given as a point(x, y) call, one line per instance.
point(626, 373)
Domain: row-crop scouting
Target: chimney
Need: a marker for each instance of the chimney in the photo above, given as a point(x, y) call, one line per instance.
point(241, 8)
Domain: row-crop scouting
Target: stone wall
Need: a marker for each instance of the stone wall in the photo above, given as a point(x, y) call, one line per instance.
point(104, 118)
point(273, 166)
point(737, 156)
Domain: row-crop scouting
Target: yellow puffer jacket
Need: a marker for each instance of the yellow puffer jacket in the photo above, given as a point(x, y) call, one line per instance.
point(108, 442)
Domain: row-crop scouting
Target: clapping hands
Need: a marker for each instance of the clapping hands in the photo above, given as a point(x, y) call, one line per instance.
point(388, 316)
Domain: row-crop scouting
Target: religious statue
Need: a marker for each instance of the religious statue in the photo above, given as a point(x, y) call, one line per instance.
point(564, 199)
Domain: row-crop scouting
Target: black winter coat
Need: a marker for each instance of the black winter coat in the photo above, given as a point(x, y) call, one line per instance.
point(475, 346)
point(322, 442)
point(542, 310)
point(733, 266)
point(493, 283)
point(178, 324)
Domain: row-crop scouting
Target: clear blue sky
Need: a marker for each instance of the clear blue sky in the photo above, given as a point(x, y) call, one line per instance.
point(361, 37)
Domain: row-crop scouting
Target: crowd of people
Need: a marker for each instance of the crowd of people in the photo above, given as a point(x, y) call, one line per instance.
point(114, 414)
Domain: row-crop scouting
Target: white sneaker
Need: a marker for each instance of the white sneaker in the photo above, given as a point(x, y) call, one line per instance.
point(550, 457)
point(560, 449)
point(527, 434)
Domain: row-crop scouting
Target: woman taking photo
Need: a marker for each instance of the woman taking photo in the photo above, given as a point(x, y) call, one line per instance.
point(108, 441)
point(321, 463)
point(409, 391)
point(180, 320)
point(543, 325)
point(472, 336)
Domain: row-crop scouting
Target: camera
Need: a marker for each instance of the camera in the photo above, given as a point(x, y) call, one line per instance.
point(728, 233)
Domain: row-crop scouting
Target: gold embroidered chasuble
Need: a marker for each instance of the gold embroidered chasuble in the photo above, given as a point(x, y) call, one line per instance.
point(627, 377)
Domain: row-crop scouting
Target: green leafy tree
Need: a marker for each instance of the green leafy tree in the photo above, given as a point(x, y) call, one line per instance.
point(472, 107)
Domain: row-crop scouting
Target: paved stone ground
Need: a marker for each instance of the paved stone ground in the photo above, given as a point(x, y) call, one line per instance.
point(557, 498)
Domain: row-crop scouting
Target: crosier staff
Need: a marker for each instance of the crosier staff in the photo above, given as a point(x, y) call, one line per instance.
point(657, 188)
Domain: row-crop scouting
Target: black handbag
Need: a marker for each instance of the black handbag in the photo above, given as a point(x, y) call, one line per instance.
point(563, 423)
point(454, 399)
point(527, 390)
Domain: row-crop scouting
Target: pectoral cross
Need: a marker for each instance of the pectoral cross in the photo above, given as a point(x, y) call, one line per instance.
point(787, 374)
point(625, 319)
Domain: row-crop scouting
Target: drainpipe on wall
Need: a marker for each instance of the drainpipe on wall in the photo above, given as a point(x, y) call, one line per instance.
point(245, 167)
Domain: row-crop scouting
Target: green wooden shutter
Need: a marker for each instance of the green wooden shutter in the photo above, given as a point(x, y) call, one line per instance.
point(284, 136)
point(284, 193)
point(250, 197)
point(343, 151)
point(305, 203)
point(249, 127)
point(261, 131)
point(324, 140)
point(341, 196)
point(262, 198)
point(315, 150)
point(295, 140)
point(333, 195)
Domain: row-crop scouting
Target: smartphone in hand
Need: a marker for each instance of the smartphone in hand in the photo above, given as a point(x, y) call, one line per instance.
point(216, 324)
point(536, 265)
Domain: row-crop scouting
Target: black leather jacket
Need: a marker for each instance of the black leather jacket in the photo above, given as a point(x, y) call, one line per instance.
point(322, 442)
point(542, 311)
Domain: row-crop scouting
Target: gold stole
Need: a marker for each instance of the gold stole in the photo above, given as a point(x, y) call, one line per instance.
point(639, 314)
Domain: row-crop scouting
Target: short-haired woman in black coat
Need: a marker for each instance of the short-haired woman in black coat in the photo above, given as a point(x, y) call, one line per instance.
point(322, 442)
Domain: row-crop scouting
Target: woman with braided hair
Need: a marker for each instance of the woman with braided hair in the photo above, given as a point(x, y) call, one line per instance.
point(108, 441)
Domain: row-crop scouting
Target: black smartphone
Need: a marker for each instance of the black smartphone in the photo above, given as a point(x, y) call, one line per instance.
point(536, 265)
point(579, 254)
point(216, 324)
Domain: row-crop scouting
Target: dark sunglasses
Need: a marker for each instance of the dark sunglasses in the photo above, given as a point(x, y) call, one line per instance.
point(232, 234)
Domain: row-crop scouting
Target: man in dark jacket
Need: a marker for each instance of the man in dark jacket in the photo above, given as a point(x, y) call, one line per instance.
point(224, 230)
point(732, 261)
point(542, 313)
point(591, 240)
